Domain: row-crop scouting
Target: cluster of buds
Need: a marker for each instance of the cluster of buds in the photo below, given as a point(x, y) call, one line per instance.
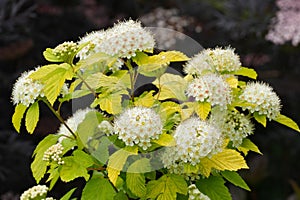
point(65, 49)
point(54, 153)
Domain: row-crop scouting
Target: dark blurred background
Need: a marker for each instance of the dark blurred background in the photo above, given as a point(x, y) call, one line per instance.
point(27, 27)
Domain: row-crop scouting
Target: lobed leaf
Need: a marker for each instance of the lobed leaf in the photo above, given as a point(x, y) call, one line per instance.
point(248, 145)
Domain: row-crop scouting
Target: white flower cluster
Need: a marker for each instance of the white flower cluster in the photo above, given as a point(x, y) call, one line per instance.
point(286, 24)
point(65, 49)
point(195, 139)
point(195, 194)
point(54, 153)
point(265, 101)
point(212, 61)
point(122, 40)
point(106, 127)
point(26, 90)
point(138, 126)
point(237, 126)
point(38, 191)
point(211, 88)
point(72, 123)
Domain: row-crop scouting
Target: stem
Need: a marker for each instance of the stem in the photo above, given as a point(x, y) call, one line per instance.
point(59, 117)
point(159, 88)
point(133, 77)
point(87, 85)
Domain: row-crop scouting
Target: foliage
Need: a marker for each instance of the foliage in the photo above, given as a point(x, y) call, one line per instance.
point(156, 144)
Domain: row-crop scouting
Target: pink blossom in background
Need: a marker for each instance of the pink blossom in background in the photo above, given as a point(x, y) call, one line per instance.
point(286, 24)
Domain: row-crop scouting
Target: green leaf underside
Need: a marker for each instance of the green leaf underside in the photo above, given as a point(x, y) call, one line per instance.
point(234, 178)
point(262, 119)
point(244, 71)
point(18, 116)
point(117, 160)
point(32, 117)
point(167, 187)
point(214, 188)
point(248, 145)
point(282, 119)
point(38, 166)
point(76, 166)
point(102, 152)
point(98, 188)
point(135, 179)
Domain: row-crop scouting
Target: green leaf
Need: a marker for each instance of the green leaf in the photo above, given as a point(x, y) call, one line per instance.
point(68, 195)
point(248, 145)
point(145, 100)
point(51, 57)
point(53, 79)
point(111, 103)
point(167, 187)
point(32, 117)
point(282, 119)
point(135, 179)
point(120, 196)
point(98, 188)
point(202, 109)
point(39, 166)
point(117, 160)
point(165, 140)
point(262, 119)
point(244, 71)
point(18, 115)
point(171, 86)
point(228, 159)
point(89, 126)
point(76, 166)
point(96, 58)
point(235, 179)
point(214, 188)
point(53, 176)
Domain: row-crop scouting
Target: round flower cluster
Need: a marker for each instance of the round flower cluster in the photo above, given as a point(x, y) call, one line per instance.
point(122, 40)
point(54, 153)
point(38, 191)
point(65, 49)
point(237, 126)
point(106, 127)
point(195, 139)
point(265, 101)
point(72, 123)
point(213, 60)
point(195, 194)
point(26, 90)
point(211, 88)
point(138, 126)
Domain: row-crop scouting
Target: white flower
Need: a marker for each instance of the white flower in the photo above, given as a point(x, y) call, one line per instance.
point(138, 126)
point(72, 123)
point(26, 90)
point(195, 139)
point(39, 191)
point(265, 101)
point(213, 60)
point(106, 127)
point(195, 194)
point(125, 38)
point(54, 153)
point(211, 88)
point(237, 126)
point(65, 49)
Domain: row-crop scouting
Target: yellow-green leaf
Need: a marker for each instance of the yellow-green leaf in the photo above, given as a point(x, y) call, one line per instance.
point(135, 179)
point(18, 115)
point(282, 119)
point(232, 81)
point(145, 100)
point(234, 178)
point(248, 145)
point(244, 71)
point(202, 109)
point(228, 159)
point(117, 161)
point(262, 119)
point(32, 117)
point(165, 140)
point(171, 86)
point(111, 103)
